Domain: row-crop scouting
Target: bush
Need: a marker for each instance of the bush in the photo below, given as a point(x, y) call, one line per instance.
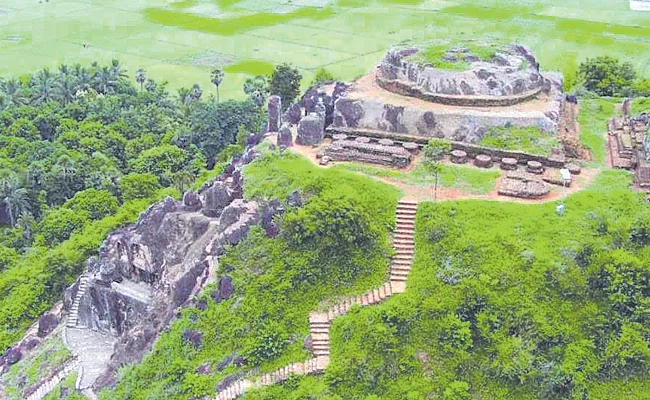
point(285, 82)
point(97, 203)
point(138, 186)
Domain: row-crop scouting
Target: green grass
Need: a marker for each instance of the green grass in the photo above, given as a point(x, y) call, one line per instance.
point(30, 370)
point(435, 54)
point(348, 37)
point(469, 180)
point(529, 140)
point(593, 117)
point(66, 390)
point(640, 105)
point(498, 293)
point(250, 67)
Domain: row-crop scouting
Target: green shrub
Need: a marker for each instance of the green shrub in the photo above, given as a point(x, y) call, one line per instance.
point(138, 186)
point(59, 224)
point(97, 203)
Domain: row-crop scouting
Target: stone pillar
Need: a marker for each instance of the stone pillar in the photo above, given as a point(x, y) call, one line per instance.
point(284, 137)
point(275, 113)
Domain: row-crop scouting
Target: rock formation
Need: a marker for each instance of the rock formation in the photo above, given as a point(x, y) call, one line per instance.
point(284, 137)
point(311, 130)
point(275, 113)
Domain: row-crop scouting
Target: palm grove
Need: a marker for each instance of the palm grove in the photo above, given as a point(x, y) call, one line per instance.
point(82, 152)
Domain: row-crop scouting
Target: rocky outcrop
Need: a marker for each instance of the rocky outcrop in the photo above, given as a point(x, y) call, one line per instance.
point(145, 271)
point(284, 137)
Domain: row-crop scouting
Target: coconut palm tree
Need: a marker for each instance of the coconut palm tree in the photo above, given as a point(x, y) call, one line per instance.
point(26, 222)
point(13, 197)
point(140, 77)
point(42, 86)
point(117, 70)
point(216, 78)
point(105, 80)
point(65, 88)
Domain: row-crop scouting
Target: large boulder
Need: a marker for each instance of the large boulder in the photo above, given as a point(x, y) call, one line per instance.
point(46, 324)
point(215, 198)
point(224, 290)
point(293, 114)
point(311, 130)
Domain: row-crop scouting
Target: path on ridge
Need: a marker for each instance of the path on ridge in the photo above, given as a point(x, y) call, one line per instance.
point(320, 322)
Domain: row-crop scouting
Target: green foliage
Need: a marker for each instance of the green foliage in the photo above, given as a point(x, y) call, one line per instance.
point(138, 186)
point(322, 76)
point(278, 280)
point(66, 390)
point(59, 224)
point(285, 82)
point(97, 203)
point(8, 257)
point(607, 76)
point(521, 318)
point(527, 139)
point(593, 117)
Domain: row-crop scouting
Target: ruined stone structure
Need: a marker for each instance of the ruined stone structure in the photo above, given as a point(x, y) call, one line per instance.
point(365, 151)
point(628, 144)
point(406, 98)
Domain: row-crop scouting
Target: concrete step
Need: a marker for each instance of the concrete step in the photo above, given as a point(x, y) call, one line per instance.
point(398, 278)
point(395, 268)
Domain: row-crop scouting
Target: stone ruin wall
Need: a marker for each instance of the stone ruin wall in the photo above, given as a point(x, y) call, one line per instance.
point(373, 115)
point(506, 80)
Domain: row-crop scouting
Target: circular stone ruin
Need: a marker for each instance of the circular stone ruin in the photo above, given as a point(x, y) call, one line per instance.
point(508, 164)
point(386, 142)
point(362, 139)
point(411, 147)
point(468, 73)
point(535, 167)
point(483, 161)
point(458, 157)
point(339, 136)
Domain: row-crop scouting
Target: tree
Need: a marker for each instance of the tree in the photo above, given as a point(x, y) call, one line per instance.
point(433, 153)
point(257, 89)
point(285, 82)
point(140, 77)
point(216, 78)
point(322, 76)
point(607, 76)
point(65, 89)
point(139, 186)
point(59, 224)
point(14, 197)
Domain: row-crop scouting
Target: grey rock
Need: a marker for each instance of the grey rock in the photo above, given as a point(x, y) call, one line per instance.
point(224, 290)
point(215, 199)
point(191, 201)
point(284, 137)
point(293, 114)
point(46, 324)
point(311, 130)
point(274, 113)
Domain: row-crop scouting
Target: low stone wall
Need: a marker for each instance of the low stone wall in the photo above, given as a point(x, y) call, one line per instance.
point(350, 150)
point(407, 89)
point(472, 150)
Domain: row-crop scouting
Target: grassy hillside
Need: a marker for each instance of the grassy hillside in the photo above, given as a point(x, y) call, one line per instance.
point(506, 301)
point(181, 41)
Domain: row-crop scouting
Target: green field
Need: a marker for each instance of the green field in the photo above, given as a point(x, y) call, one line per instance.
point(180, 41)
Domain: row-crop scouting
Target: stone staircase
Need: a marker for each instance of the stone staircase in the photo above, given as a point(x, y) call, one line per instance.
point(49, 385)
point(74, 309)
point(320, 322)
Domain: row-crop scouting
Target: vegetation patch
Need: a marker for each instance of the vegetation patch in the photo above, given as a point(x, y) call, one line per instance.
point(336, 244)
point(250, 67)
point(454, 56)
point(528, 139)
point(593, 117)
point(506, 301)
point(50, 356)
point(66, 390)
point(466, 179)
